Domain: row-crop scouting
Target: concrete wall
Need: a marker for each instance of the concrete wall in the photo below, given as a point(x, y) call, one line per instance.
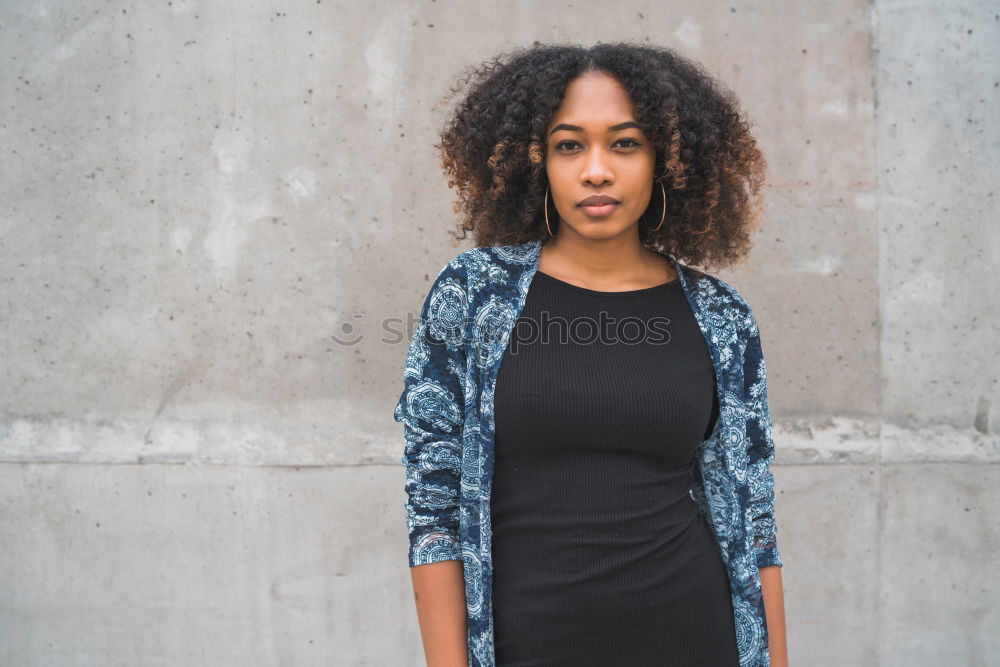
point(197, 196)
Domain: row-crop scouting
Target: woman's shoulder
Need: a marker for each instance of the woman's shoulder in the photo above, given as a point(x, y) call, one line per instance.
point(512, 255)
point(518, 254)
point(719, 296)
point(496, 269)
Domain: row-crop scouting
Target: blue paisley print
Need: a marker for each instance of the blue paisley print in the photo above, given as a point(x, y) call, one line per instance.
point(446, 409)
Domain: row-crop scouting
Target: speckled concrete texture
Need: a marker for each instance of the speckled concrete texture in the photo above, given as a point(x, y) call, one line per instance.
point(219, 221)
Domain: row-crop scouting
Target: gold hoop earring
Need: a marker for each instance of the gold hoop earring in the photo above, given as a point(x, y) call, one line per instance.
point(663, 215)
point(547, 211)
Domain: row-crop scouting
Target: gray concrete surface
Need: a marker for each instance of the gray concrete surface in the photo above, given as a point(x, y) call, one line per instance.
point(197, 196)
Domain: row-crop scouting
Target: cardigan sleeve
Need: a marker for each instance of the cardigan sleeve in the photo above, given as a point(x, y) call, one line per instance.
point(431, 409)
point(760, 451)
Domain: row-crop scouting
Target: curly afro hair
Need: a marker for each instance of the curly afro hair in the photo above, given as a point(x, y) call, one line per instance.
point(493, 147)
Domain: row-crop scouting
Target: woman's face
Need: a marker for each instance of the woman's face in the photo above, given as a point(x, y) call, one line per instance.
point(594, 147)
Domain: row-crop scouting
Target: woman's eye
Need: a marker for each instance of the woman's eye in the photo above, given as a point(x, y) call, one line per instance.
point(629, 143)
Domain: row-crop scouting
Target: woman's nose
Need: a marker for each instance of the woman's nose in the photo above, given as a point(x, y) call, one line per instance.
point(597, 167)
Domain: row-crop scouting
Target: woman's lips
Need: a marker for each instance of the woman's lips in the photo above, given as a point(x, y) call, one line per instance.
point(599, 211)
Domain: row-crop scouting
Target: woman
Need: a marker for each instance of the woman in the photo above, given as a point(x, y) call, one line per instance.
point(596, 492)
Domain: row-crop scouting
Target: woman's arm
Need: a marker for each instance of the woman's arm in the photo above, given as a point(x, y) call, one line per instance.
point(761, 454)
point(774, 609)
point(439, 593)
point(431, 409)
point(760, 451)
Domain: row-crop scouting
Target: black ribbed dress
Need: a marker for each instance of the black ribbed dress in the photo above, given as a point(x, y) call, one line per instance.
point(600, 556)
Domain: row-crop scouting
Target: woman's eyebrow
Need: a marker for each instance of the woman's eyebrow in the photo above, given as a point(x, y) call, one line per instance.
point(577, 128)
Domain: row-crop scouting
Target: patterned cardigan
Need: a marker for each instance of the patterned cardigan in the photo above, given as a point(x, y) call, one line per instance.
point(446, 409)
